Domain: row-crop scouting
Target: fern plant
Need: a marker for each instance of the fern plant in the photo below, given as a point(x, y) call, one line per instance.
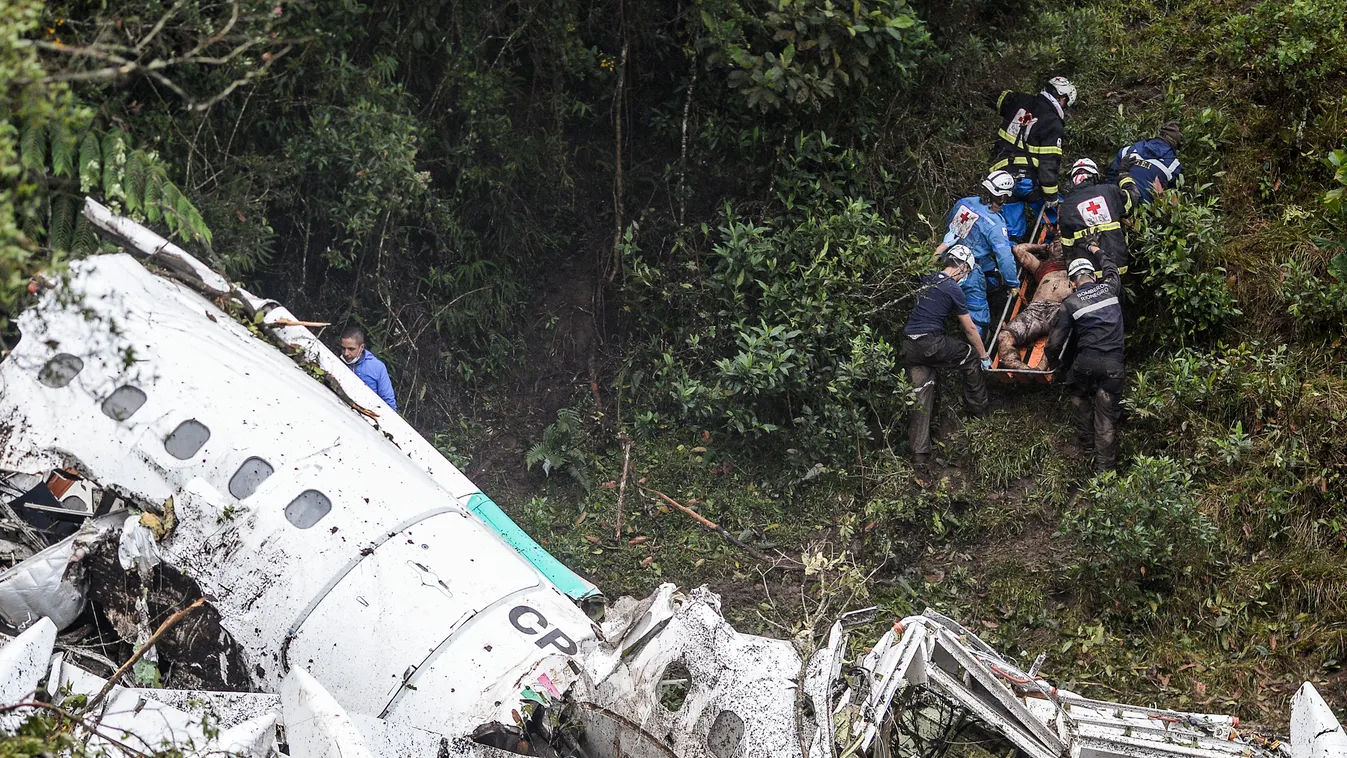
point(562, 448)
point(71, 163)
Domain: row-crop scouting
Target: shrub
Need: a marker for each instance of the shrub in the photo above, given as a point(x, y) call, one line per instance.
point(563, 447)
point(1313, 299)
point(1288, 47)
point(790, 52)
point(1176, 242)
point(778, 329)
point(1144, 525)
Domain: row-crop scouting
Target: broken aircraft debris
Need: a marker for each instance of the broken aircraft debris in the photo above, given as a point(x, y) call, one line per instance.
point(166, 437)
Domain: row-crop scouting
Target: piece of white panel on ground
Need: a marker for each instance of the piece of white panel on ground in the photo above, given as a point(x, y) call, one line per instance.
point(299, 573)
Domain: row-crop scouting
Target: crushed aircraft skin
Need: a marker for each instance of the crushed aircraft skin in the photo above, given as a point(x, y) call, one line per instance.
point(166, 436)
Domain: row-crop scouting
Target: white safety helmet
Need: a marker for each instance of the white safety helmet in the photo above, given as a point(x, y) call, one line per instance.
point(960, 254)
point(1080, 266)
point(1063, 89)
point(1084, 167)
point(999, 183)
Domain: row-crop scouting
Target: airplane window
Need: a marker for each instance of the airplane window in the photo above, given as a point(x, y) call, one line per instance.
point(250, 475)
point(123, 403)
point(58, 371)
point(187, 439)
point(308, 509)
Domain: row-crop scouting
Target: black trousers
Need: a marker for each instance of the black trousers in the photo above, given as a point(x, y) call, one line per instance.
point(1096, 388)
point(923, 356)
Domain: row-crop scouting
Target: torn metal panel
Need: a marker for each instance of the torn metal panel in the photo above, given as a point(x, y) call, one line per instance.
point(1315, 731)
point(318, 726)
point(753, 680)
point(138, 720)
point(50, 584)
point(23, 661)
point(821, 674)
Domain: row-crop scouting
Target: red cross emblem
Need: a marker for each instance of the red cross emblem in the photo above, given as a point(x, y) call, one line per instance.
point(1093, 207)
point(964, 216)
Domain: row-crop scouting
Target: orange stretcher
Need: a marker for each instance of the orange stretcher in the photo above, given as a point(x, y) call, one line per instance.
point(1033, 354)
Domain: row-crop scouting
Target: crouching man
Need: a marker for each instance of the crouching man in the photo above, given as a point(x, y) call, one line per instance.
point(1093, 315)
point(1051, 287)
point(926, 348)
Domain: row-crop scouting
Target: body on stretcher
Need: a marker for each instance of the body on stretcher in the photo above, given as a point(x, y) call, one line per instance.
point(1033, 355)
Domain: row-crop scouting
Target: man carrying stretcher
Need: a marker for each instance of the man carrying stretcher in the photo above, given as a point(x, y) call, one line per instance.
point(1051, 287)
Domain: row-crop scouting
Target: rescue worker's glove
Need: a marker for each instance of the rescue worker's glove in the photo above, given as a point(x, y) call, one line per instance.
point(987, 363)
point(1130, 160)
point(1051, 202)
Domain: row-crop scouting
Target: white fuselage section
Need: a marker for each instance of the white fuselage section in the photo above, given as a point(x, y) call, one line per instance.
point(348, 558)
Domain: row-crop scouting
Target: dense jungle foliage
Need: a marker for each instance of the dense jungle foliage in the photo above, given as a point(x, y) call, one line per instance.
point(697, 225)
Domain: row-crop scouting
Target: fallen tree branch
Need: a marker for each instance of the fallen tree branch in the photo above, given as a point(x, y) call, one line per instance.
point(622, 486)
point(292, 322)
point(712, 526)
point(169, 623)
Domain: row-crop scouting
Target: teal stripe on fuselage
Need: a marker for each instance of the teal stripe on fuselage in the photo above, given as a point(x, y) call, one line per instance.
point(556, 572)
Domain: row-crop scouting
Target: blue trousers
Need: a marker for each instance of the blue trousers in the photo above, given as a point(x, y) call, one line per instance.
point(975, 290)
point(1020, 215)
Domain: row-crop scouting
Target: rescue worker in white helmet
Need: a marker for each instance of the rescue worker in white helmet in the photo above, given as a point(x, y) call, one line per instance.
point(1092, 208)
point(1092, 315)
point(1029, 146)
point(927, 348)
point(976, 223)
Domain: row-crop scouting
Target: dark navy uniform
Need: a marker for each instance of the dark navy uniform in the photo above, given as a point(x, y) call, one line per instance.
point(1096, 209)
point(1155, 166)
point(1029, 146)
point(927, 348)
point(1093, 316)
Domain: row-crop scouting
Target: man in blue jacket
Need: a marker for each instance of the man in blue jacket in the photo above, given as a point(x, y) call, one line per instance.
point(1154, 163)
point(976, 223)
point(371, 370)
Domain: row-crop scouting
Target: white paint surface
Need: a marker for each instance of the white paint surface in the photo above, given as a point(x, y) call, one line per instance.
point(1315, 731)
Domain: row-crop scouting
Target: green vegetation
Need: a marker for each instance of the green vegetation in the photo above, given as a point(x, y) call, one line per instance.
point(700, 225)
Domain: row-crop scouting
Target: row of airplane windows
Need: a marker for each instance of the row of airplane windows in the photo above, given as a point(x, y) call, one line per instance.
point(186, 440)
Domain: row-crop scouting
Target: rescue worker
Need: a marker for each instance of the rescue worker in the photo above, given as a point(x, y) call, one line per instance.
point(976, 223)
point(927, 348)
point(371, 370)
point(1093, 315)
point(1154, 163)
point(1094, 210)
point(1029, 146)
point(1051, 287)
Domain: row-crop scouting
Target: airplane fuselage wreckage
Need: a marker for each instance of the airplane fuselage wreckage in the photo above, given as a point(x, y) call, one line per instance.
point(172, 446)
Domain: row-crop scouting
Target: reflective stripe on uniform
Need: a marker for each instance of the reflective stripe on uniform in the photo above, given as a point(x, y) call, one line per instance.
point(1069, 240)
point(1050, 190)
point(1001, 99)
point(1045, 149)
point(1018, 160)
point(1106, 302)
point(1167, 170)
